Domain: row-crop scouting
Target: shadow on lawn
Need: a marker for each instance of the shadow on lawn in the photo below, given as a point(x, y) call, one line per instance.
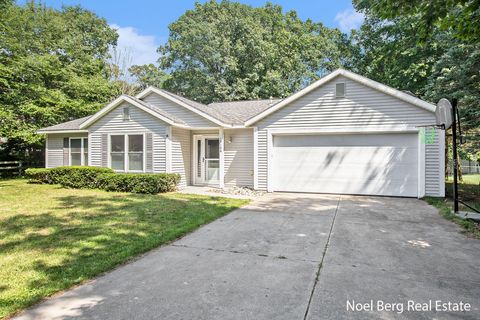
point(96, 233)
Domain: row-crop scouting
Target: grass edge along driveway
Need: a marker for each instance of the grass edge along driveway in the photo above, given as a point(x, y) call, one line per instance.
point(53, 238)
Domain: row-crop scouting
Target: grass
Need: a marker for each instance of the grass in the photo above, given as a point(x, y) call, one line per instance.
point(468, 179)
point(53, 238)
point(469, 192)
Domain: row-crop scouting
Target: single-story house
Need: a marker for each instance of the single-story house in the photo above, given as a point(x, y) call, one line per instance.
point(342, 134)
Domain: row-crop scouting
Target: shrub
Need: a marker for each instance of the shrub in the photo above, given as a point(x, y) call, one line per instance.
point(139, 182)
point(77, 177)
point(38, 175)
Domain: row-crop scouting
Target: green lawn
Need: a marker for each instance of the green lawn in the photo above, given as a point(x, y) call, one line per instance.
point(468, 179)
point(52, 238)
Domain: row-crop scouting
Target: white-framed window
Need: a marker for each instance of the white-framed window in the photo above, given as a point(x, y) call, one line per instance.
point(340, 89)
point(78, 151)
point(127, 152)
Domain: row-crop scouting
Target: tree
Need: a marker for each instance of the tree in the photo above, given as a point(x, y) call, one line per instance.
point(231, 51)
point(444, 67)
point(148, 75)
point(52, 69)
point(461, 17)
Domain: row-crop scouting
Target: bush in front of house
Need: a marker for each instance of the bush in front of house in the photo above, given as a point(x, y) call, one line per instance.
point(78, 177)
point(139, 182)
point(38, 175)
point(104, 178)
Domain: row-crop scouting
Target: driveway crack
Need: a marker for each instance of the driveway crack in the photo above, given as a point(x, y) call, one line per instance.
point(281, 257)
point(320, 265)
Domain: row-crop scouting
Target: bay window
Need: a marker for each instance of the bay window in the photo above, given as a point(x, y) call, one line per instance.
point(127, 152)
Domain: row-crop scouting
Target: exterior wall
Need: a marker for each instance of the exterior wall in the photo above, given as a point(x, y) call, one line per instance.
point(140, 122)
point(181, 155)
point(362, 107)
point(190, 118)
point(239, 158)
point(54, 148)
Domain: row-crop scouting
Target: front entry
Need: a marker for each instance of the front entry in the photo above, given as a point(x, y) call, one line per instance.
point(207, 160)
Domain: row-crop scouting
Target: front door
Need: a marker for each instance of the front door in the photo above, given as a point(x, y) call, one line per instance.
point(207, 160)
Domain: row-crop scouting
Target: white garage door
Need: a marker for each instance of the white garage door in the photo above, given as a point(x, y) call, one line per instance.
point(370, 164)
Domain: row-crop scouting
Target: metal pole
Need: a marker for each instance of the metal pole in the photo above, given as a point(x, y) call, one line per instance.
point(454, 149)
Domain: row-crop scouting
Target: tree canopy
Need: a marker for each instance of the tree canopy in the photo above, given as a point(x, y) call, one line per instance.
point(460, 17)
point(231, 51)
point(52, 68)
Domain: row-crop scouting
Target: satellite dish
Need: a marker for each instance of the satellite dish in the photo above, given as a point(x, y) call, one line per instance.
point(443, 113)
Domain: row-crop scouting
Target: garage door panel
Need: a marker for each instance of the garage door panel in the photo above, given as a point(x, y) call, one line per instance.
point(345, 155)
point(352, 164)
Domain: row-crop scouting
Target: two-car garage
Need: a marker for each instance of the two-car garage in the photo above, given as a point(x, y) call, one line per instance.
point(361, 163)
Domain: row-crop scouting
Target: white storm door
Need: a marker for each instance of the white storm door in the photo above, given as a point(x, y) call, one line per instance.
point(207, 160)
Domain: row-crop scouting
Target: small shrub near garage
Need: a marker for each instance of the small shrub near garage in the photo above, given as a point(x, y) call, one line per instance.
point(139, 182)
point(104, 178)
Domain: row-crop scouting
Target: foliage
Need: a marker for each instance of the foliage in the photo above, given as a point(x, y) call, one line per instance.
point(459, 16)
point(138, 182)
point(84, 177)
point(148, 75)
point(77, 176)
point(230, 51)
point(54, 238)
point(389, 52)
point(52, 69)
point(38, 175)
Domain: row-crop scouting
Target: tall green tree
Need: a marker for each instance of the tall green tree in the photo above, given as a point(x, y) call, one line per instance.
point(148, 75)
point(231, 51)
point(446, 66)
point(460, 17)
point(52, 69)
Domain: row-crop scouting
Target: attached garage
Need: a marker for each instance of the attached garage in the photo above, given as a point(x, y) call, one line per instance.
point(366, 164)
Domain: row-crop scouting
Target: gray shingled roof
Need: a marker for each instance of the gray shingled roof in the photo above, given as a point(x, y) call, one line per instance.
point(69, 125)
point(235, 112)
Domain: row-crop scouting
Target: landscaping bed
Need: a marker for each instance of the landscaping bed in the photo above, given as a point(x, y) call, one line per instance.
point(52, 238)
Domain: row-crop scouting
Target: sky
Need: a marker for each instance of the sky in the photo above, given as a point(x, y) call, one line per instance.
point(142, 25)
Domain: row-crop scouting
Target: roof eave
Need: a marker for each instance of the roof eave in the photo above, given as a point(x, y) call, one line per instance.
point(42, 131)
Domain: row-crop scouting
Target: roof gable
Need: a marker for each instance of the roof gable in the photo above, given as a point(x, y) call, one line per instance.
point(154, 111)
point(350, 75)
point(193, 106)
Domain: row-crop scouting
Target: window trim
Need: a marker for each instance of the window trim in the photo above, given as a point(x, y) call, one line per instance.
point(82, 153)
point(344, 89)
point(126, 151)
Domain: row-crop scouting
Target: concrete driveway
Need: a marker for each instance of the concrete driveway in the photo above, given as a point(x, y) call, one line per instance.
point(293, 256)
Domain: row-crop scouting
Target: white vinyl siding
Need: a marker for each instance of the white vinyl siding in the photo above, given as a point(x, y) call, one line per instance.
point(190, 118)
point(239, 158)
point(362, 107)
point(54, 148)
point(181, 156)
point(140, 123)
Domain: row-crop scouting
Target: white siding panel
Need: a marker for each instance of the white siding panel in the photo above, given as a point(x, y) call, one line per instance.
point(181, 156)
point(239, 158)
point(140, 122)
point(54, 148)
point(362, 107)
point(190, 118)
